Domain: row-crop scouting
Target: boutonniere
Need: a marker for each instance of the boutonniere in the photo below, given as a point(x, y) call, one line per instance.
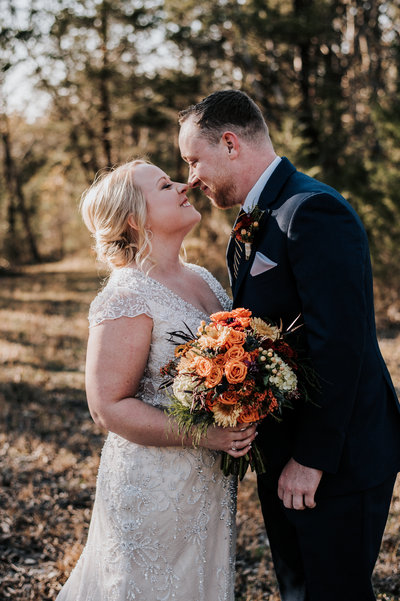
point(246, 228)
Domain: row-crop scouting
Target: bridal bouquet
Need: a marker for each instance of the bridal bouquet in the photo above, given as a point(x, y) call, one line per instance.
point(236, 370)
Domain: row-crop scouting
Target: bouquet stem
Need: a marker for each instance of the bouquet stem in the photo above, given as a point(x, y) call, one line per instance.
point(238, 466)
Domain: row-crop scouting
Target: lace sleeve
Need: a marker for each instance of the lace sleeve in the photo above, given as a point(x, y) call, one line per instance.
point(119, 301)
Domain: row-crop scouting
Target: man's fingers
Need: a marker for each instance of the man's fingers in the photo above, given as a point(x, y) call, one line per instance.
point(298, 502)
point(288, 500)
point(297, 485)
point(309, 501)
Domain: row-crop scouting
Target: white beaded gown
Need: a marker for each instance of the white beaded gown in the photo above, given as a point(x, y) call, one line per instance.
point(163, 521)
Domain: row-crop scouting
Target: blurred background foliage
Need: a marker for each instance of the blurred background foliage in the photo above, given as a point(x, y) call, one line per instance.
point(107, 78)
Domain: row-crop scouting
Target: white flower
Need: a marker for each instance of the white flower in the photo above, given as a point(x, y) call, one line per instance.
point(285, 379)
point(183, 387)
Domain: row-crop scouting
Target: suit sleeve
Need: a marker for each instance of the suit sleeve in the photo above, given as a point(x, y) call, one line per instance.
point(328, 248)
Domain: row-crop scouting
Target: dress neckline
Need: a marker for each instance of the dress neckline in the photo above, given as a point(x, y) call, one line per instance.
point(177, 296)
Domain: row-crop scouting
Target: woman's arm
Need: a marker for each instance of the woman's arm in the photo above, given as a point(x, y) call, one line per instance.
point(116, 358)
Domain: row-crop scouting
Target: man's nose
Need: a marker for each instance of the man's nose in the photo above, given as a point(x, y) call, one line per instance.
point(193, 180)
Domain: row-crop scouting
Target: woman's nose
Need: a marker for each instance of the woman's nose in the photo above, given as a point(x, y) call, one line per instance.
point(182, 187)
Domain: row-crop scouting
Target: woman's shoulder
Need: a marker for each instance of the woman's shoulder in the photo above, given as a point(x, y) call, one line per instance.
point(123, 295)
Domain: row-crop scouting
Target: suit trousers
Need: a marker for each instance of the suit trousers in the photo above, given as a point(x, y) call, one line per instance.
point(327, 553)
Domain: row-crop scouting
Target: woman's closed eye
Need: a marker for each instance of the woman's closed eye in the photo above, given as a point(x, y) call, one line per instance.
point(167, 185)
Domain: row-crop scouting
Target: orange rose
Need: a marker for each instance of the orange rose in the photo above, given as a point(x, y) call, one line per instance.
point(214, 377)
point(235, 371)
point(229, 397)
point(235, 337)
point(240, 312)
point(242, 316)
point(235, 352)
point(220, 316)
point(204, 366)
point(210, 401)
point(220, 359)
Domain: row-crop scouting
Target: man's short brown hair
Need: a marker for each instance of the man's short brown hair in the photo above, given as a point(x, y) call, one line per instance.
point(223, 110)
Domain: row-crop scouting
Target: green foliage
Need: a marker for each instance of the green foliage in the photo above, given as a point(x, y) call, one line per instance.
point(190, 424)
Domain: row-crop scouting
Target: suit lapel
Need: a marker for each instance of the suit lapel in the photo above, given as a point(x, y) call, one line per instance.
point(268, 197)
point(276, 182)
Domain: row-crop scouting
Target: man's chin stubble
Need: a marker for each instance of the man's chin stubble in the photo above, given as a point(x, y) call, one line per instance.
point(226, 201)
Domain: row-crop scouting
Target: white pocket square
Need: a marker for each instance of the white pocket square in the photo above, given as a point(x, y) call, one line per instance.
point(261, 263)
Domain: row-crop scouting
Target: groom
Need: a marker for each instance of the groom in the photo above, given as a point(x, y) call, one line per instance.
point(332, 464)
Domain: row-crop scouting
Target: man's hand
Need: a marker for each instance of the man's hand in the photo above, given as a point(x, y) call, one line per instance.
point(298, 484)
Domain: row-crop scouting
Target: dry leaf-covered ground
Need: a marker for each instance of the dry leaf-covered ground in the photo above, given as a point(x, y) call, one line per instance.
point(49, 446)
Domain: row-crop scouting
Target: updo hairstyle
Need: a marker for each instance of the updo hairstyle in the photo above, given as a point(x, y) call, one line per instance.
point(106, 207)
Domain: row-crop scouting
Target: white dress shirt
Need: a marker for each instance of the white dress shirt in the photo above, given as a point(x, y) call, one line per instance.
point(255, 192)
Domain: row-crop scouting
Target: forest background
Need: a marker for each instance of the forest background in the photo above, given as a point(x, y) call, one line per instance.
point(106, 80)
point(87, 84)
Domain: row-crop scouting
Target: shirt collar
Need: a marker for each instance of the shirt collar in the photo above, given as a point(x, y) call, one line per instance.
point(255, 192)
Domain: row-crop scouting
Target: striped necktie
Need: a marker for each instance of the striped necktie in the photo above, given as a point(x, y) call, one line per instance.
point(239, 248)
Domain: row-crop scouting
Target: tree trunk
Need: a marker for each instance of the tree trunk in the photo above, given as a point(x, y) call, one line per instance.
point(105, 108)
point(17, 203)
point(303, 8)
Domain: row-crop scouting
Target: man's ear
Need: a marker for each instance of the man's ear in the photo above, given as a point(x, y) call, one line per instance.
point(231, 143)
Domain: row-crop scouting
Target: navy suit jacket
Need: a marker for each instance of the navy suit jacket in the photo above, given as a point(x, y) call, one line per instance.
point(323, 272)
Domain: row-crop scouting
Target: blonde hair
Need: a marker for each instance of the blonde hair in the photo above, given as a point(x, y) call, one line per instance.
point(106, 207)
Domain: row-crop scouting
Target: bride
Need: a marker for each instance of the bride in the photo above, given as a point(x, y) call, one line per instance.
point(163, 522)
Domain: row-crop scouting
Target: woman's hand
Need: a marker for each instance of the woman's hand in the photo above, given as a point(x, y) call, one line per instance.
point(234, 441)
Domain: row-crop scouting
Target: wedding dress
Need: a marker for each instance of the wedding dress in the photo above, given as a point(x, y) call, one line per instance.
point(163, 522)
